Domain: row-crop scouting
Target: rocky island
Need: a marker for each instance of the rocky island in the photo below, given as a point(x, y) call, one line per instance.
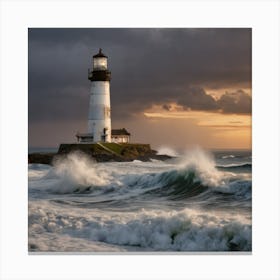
point(101, 152)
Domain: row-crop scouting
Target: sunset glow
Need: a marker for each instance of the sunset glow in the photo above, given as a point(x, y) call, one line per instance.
point(225, 128)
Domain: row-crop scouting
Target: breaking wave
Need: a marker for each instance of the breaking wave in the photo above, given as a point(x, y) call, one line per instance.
point(194, 174)
point(186, 230)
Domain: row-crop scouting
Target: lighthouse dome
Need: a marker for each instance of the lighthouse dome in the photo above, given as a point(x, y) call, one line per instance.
point(100, 61)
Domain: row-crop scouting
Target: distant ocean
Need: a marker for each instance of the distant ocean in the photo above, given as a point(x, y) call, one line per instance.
point(197, 202)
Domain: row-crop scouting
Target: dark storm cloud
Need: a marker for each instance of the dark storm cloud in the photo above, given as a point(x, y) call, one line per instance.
point(148, 66)
point(236, 102)
point(195, 98)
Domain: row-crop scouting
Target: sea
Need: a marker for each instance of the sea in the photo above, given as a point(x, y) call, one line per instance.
point(197, 201)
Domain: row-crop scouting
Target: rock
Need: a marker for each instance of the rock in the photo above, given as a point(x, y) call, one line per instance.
point(43, 158)
point(111, 152)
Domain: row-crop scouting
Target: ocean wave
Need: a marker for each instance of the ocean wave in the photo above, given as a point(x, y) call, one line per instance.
point(233, 166)
point(185, 230)
point(195, 174)
point(240, 189)
point(37, 171)
point(186, 184)
point(187, 204)
point(228, 156)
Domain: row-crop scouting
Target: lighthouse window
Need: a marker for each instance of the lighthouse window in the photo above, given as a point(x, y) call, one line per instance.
point(100, 63)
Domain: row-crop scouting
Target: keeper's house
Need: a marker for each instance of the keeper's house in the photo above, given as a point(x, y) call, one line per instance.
point(117, 136)
point(120, 136)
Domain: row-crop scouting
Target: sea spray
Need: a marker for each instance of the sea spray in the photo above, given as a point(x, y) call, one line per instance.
point(74, 172)
point(164, 150)
point(204, 164)
point(81, 169)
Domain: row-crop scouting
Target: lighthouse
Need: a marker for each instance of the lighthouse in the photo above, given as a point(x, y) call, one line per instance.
point(99, 115)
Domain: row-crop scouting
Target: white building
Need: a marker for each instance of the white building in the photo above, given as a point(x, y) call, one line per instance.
point(99, 117)
point(120, 136)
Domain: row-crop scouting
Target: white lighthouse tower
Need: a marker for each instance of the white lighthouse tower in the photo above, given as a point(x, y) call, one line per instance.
point(99, 117)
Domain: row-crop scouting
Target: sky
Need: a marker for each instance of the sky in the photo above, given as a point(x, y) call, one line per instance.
point(170, 87)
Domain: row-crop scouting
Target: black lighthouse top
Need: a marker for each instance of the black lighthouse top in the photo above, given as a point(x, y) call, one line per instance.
point(99, 71)
point(100, 54)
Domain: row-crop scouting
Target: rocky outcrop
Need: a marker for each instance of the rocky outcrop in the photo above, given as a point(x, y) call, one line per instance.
point(44, 158)
point(105, 152)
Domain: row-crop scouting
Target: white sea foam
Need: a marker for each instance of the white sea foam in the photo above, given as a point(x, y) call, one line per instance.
point(164, 150)
point(49, 242)
point(241, 164)
point(136, 161)
point(228, 156)
point(37, 171)
point(186, 230)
